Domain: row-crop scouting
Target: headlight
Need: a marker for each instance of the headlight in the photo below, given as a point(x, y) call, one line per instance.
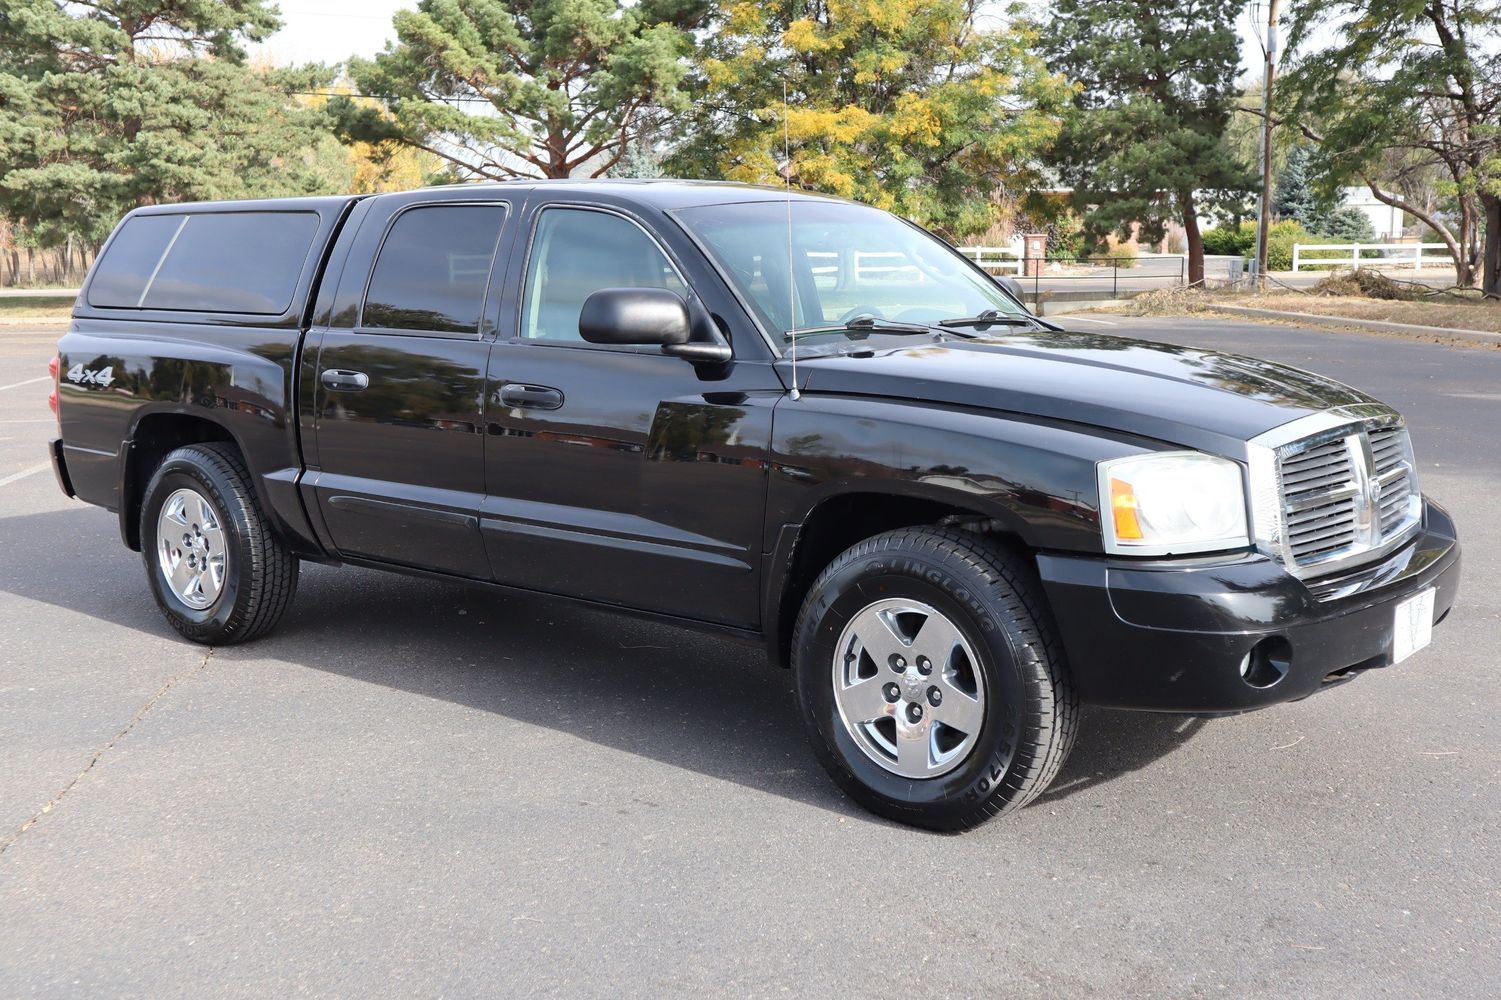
point(1168, 503)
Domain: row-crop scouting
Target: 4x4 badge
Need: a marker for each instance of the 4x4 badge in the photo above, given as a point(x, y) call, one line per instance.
point(81, 376)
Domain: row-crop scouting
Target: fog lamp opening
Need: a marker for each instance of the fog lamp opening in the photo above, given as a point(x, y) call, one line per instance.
point(1267, 662)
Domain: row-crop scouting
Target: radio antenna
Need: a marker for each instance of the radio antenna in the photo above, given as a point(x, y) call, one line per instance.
point(791, 294)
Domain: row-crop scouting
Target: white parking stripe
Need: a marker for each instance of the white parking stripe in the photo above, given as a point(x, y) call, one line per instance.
point(1086, 319)
point(17, 385)
point(24, 473)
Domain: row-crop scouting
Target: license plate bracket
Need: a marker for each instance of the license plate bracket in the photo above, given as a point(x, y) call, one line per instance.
point(1412, 625)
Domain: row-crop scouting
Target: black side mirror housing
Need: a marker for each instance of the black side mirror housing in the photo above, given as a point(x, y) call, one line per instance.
point(641, 316)
point(1012, 287)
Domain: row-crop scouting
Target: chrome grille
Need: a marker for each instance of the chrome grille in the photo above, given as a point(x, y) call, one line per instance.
point(1318, 499)
point(1344, 494)
point(1393, 470)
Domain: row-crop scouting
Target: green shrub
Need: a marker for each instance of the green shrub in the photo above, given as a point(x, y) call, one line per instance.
point(1227, 241)
point(1345, 225)
point(1279, 244)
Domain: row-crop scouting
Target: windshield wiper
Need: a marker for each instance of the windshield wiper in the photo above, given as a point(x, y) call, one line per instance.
point(994, 317)
point(865, 324)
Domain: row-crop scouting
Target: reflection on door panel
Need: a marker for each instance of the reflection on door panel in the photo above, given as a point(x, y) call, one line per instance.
point(399, 414)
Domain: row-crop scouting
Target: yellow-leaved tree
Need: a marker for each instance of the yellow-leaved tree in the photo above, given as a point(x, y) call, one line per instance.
point(928, 108)
point(384, 164)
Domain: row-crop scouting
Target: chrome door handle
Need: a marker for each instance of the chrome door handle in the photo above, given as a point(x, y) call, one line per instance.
point(345, 381)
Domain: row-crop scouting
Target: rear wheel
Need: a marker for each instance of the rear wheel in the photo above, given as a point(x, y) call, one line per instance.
point(216, 570)
point(929, 678)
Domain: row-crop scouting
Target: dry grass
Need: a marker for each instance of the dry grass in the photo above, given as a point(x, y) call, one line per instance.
point(1171, 302)
point(1350, 294)
point(1450, 313)
point(24, 310)
point(1367, 285)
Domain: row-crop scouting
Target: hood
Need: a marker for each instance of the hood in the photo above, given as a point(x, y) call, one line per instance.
point(1179, 395)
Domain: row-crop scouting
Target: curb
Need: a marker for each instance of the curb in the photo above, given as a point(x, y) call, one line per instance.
point(1375, 325)
point(60, 294)
point(1052, 307)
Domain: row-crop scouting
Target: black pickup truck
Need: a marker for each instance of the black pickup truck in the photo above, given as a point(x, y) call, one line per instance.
point(784, 418)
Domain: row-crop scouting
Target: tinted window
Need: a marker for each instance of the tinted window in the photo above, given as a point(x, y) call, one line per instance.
point(433, 268)
point(245, 262)
point(575, 254)
point(121, 274)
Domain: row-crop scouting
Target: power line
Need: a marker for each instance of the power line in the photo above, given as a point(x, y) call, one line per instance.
point(328, 13)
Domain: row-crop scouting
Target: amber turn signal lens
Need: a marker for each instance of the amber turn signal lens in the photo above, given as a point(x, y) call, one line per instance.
point(1123, 509)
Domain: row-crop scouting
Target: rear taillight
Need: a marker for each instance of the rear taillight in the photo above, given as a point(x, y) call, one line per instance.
point(53, 367)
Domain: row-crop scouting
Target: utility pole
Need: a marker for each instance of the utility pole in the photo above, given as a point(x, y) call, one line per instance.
point(1264, 207)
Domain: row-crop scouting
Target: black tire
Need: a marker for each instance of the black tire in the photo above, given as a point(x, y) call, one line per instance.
point(260, 575)
point(994, 599)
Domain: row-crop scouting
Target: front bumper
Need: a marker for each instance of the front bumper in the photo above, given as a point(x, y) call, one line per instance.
point(1173, 635)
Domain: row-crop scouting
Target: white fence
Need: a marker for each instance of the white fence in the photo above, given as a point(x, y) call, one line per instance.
point(995, 258)
point(1391, 255)
point(865, 264)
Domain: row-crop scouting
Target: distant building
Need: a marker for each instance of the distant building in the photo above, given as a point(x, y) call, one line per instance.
point(1388, 222)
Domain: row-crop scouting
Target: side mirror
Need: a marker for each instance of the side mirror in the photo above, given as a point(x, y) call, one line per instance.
point(1012, 287)
point(635, 316)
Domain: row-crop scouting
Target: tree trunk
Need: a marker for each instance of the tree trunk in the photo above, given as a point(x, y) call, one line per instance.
point(1193, 238)
point(1470, 240)
point(1464, 275)
point(1490, 281)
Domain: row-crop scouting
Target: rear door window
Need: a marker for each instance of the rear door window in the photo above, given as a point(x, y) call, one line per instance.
point(433, 269)
point(236, 262)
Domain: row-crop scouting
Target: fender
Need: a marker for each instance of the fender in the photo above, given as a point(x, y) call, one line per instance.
point(883, 463)
point(1034, 475)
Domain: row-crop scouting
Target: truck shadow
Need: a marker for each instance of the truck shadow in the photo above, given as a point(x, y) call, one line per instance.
point(692, 701)
point(1114, 743)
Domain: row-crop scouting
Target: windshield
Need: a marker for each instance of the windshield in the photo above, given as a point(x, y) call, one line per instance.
point(847, 261)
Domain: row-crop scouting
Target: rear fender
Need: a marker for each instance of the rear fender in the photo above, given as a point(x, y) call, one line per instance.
point(162, 393)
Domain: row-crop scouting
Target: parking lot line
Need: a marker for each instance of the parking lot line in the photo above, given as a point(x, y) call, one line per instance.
point(30, 381)
point(17, 477)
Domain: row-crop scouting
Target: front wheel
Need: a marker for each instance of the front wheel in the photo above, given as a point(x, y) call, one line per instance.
point(930, 680)
point(217, 571)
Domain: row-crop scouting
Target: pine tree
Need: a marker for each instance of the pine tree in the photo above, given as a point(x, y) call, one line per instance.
point(511, 88)
point(1155, 87)
point(119, 103)
point(917, 106)
point(1292, 196)
point(640, 161)
point(1320, 211)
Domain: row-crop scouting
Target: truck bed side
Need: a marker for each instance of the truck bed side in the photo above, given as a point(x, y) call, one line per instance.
point(144, 374)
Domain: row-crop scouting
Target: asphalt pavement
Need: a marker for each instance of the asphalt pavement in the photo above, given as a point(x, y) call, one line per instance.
point(420, 789)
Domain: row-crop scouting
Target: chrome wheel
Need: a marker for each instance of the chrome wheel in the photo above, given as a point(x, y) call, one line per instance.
point(908, 688)
point(190, 549)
